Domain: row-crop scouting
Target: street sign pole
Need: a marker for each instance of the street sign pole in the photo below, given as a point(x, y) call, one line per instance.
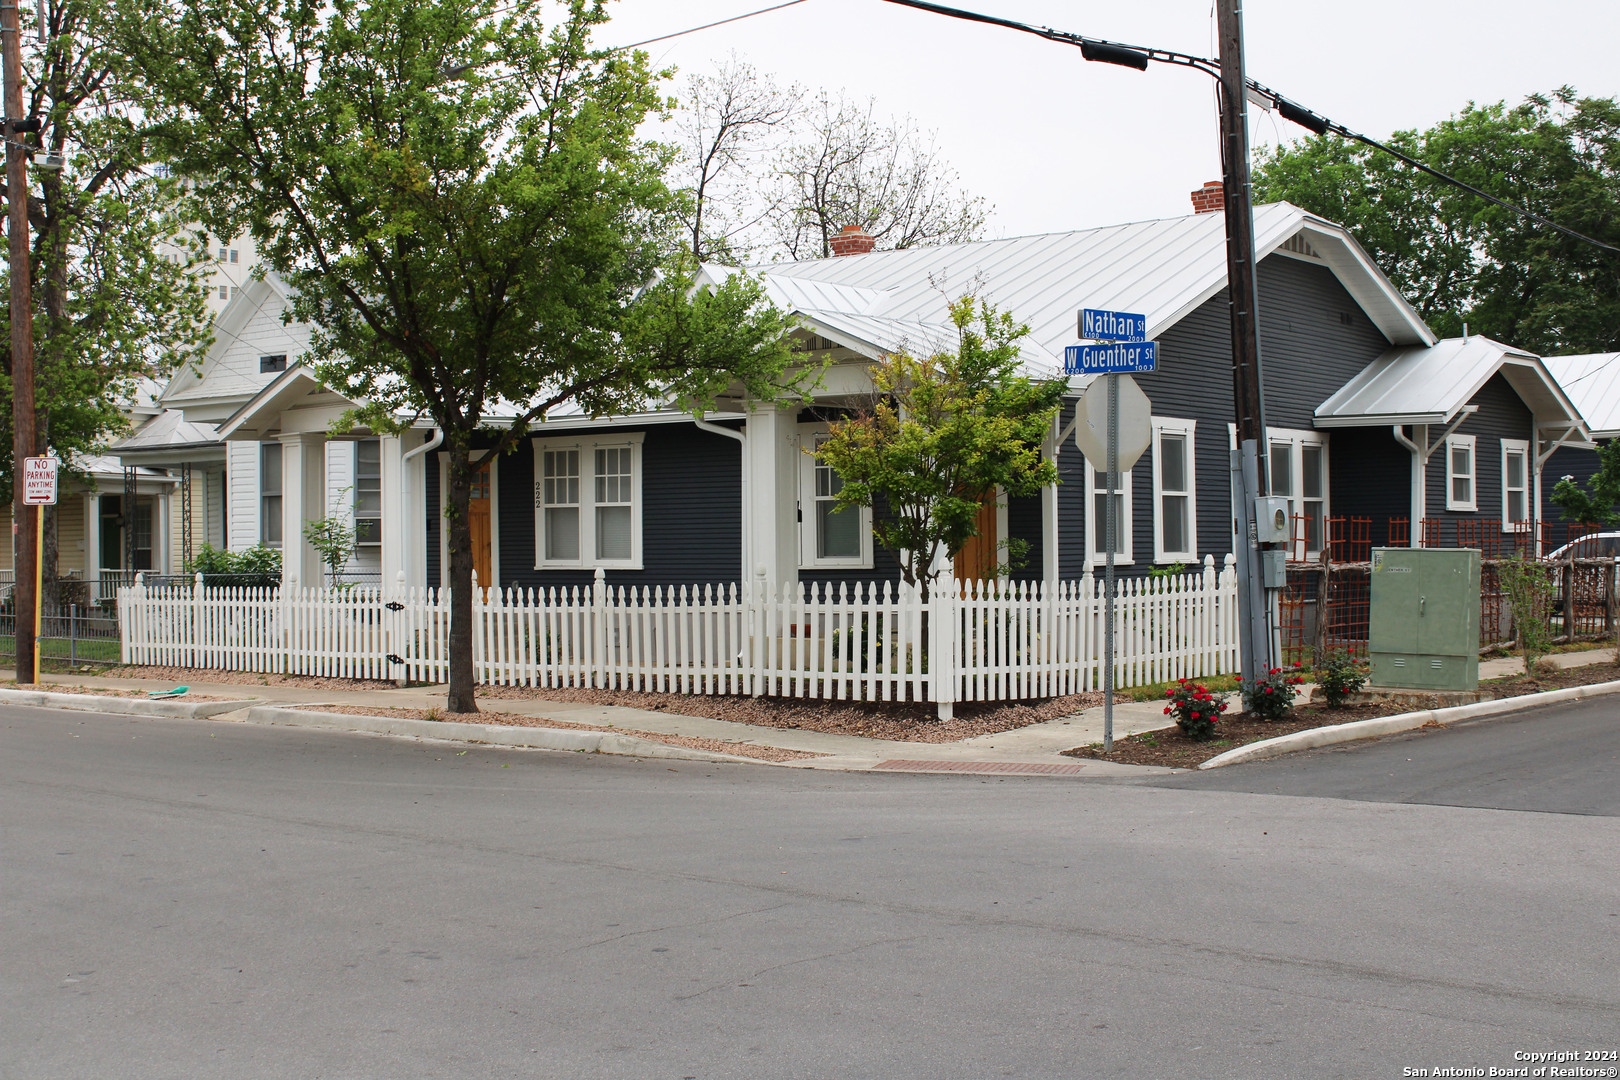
point(1110, 525)
point(36, 491)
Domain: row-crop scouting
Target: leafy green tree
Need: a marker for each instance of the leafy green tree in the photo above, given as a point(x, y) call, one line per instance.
point(115, 275)
point(1460, 259)
point(942, 434)
point(1597, 502)
point(457, 194)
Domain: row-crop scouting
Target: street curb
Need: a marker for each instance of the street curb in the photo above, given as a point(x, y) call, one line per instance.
point(586, 742)
point(103, 703)
point(1392, 725)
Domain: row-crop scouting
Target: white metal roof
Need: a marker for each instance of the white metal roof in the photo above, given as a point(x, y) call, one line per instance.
point(167, 430)
point(1431, 384)
point(1164, 269)
point(1592, 381)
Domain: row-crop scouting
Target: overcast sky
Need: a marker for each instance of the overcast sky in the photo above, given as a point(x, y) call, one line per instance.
point(1054, 143)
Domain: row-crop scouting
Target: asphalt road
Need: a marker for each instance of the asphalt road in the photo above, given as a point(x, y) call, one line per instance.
point(1560, 759)
point(186, 899)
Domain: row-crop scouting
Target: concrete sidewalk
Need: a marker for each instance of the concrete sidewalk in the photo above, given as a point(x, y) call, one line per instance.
point(1038, 744)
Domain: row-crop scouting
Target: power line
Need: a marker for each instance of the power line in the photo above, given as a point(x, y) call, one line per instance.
point(707, 26)
point(1138, 56)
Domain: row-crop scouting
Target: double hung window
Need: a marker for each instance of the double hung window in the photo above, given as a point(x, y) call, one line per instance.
point(588, 501)
point(1460, 470)
point(1299, 472)
point(368, 492)
point(829, 536)
point(1515, 485)
point(1097, 496)
point(1175, 497)
point(270, 494)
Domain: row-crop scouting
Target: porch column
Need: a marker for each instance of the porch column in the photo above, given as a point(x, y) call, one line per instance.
point(395, 534)
point(773, 487)
point(92, 545)
point(303, 498)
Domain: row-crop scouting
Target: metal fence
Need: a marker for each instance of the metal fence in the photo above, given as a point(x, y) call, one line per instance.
point(1327, 602)
point(72, 636)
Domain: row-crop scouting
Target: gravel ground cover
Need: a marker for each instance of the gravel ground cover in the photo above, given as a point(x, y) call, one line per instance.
point(1169, 747)
point(721, 746)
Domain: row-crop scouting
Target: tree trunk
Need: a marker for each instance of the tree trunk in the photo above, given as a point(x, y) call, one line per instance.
point(459, 488)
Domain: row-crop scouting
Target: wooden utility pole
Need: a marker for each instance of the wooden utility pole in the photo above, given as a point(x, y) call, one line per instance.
point(24, 441)
point(1249, 461)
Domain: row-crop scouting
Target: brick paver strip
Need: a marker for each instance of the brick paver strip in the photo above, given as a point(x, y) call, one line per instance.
point(1039, 768)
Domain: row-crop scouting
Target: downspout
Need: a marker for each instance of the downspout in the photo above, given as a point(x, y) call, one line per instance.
point(1420, 468)
point(745, 510)
point(1417, 484)
point(405, 460)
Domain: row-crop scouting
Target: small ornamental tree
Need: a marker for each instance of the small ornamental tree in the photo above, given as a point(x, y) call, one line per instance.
point(941, 435)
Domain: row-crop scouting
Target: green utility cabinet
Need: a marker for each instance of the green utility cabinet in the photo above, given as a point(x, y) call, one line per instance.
point(1424, 632)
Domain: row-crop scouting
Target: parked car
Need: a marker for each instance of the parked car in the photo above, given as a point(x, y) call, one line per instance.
point(1602, 545)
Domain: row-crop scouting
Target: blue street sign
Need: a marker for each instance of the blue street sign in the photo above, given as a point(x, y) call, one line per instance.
point(1098, 325)
point(1111, 358)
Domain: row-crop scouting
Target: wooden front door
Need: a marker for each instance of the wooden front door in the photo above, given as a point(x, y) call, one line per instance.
point(977, 560)
point(478, 518)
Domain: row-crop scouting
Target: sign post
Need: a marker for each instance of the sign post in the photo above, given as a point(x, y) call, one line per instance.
point(1124, 350)
point(39, 489)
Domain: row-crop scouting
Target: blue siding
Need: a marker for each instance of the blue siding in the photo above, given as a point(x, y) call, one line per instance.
point(1565, 461)
point(1502, 415)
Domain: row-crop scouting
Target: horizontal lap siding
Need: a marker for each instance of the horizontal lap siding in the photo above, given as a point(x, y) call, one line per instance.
point(1569, 461)
point(691, 512)
point(1371, 477)
point(1308, 351)
point(1502, 415)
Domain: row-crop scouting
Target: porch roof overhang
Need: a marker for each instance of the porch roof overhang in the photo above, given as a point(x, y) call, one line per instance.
point(1592, 381)
point(170, 439)
point(262, 416)
point(1432, 384)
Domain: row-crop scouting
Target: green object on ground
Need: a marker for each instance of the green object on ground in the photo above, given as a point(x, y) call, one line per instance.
point(176, 692)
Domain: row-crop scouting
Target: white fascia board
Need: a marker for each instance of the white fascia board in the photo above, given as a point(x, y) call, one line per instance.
point(1383, 419)
point(847, 340)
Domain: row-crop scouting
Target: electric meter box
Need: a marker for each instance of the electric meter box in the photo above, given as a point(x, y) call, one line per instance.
point(1272, 524)
point(1424, 632)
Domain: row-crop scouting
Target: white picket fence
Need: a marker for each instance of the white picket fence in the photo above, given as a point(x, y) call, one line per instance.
point(864, 642)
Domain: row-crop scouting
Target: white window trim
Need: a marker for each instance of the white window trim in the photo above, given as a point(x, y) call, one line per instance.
point(1472, 504)
point(354, 497)
point(1127, 536)
point(587, 445)
point(1521, 447)
point(1163, 425)
point(808, 433)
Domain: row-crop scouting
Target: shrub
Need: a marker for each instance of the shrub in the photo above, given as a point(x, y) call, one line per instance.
point(256, 567)
point(1195, 709)
point(1340, 676)
point(1530, 587)
point(1271, 696)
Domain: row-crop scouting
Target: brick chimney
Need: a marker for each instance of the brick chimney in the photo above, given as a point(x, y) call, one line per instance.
point(1209, 199)
point(852, 240)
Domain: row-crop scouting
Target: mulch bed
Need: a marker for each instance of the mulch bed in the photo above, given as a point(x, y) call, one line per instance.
point(902, 721)
point(719, 746)
point(1169, 747)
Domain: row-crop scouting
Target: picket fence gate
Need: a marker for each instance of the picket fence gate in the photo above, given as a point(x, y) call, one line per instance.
point(853, 641)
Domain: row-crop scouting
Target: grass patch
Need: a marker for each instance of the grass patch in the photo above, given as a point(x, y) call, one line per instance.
point(54, 650)
point(1216, 684)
